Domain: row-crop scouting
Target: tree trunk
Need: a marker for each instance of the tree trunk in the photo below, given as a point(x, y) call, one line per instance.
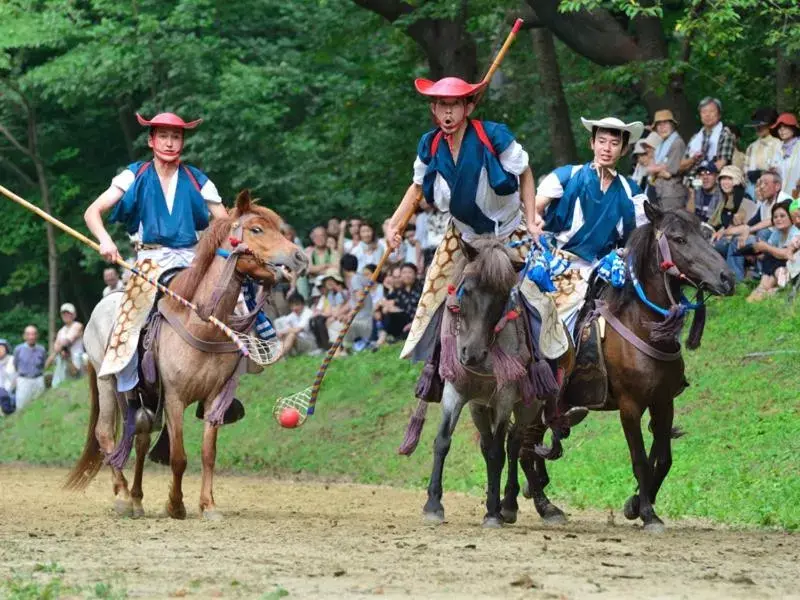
point(127, 134)
point(562, 142)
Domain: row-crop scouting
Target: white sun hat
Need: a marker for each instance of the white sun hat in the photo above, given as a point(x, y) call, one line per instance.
point(635, 129)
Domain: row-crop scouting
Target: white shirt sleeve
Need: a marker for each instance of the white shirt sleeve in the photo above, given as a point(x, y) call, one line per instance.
point(419, 170)
point(514, 158)
point(638, 209)
point(209, 193)
point(124, 180)
point(550, 187)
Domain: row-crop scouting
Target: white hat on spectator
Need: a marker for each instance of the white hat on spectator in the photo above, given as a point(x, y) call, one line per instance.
point(68, 307)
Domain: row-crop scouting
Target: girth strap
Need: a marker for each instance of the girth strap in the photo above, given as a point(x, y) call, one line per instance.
point(202, 345)
point(629, 336)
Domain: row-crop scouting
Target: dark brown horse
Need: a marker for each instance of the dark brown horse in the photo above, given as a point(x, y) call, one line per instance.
point(641, 351)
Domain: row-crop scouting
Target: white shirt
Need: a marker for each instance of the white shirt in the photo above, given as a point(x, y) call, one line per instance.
point(294, 321)
point(117, 288)
point(367, 257)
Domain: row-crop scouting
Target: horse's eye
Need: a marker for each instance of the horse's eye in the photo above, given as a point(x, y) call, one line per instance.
point(256, 230)
point(680, 240)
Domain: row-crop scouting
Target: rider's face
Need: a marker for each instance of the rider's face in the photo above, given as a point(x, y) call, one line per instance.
point(607, 149)
point(450, 113)
point(167, 143)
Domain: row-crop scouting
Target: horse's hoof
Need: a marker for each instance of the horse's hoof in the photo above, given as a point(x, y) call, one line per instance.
point(631, 509)
point(554, 516)
point(655, 526)
point(492, 522)
point(509, 515)
point(436, 517)
point(526, 491)
point(138, 512)
point(212, 515)
point(124, 508)
point(176, 512)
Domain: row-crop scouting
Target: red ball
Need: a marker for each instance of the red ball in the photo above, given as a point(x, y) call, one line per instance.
point(289, 418)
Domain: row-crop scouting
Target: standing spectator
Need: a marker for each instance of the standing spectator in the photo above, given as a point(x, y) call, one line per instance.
point(644, 152)
point(762, 152)
point(787, 159)
point(401, 303)
point(738, 156)
point(778, 252)
point(670, 191)
point(29, 359)
point(334, 227)
point(294, 329)
point(369, 249)
point(703, 200)
point(7, 376)
point(713, 143)
point(320, 257)
point(68, 349)
point(112, 281)
point(346, 245)
point(328, 308)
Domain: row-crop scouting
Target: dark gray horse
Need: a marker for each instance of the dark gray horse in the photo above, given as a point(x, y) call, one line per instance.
point(484, 363)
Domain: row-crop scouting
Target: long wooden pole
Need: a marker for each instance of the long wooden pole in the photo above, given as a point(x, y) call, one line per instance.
point(323, 368)
point(95, 246)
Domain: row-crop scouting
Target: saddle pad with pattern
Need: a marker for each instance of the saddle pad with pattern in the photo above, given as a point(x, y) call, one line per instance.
point(134, 308)
point(552, 342)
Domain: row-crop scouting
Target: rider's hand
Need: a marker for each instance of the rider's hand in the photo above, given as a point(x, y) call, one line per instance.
point(109, 251)
point(536, 228)
point(393, 237)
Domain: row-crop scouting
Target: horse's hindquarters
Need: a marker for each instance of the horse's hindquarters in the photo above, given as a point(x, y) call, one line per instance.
point(98, 329)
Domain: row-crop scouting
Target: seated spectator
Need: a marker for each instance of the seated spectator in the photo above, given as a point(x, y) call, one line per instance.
point(703, 200)
point(361, 328)
point(738, 159)
point(29, 359)
point(735, 206)
point(7, 376)
point(328, 308)
point(778, 253)
point(294, 329)
point(414, 253)
point(401, 303)
point(369, 249)
point(353, 229)
point(333, 229)
point(794, 212)
point(68, 349)
point(376, 293)
point(112, 281)
point(321, 258)
point(670, 191)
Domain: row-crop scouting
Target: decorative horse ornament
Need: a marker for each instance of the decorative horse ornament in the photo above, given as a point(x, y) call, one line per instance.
point(194, 360)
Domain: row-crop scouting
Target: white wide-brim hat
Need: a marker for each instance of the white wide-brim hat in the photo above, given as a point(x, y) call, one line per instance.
point(635, 129)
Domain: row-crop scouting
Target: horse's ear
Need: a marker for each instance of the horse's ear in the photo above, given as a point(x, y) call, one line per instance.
point(518, 265)
point(243, 201)
point(470, 252)
point(653, 213)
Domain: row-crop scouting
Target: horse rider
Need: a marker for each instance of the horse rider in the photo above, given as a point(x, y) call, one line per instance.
point(163, 204)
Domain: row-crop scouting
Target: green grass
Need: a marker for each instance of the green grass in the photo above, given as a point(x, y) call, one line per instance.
point(738, 464)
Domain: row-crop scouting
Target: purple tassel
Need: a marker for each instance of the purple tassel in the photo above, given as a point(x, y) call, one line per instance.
point(149, 367)
point(698, 325)
point(425, 381)
point(544, 382)
point(119, 456)
point(506, 368)
point(668, 329)
point(527, 389)
point(222, 402)
point(450, 368)
point(414, 430)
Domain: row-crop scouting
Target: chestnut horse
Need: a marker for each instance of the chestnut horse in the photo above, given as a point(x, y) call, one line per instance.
point(664, 254)
point(187, 373)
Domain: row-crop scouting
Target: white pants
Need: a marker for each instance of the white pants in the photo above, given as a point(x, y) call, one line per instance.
point(28, 389)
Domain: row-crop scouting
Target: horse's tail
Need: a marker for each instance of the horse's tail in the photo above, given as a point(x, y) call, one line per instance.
point(91, 460)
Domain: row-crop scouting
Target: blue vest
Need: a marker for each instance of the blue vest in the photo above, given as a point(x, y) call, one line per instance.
point(600, 213)
point(463, 177)
point(144, 204)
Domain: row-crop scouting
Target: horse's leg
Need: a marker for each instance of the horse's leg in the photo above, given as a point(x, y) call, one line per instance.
point(173, 407)
point(493, 450)
point(535, 469)
point(661, 450)
point(104, 432)
point(509, 506)
point(638, 505)
point(452, 404)
point(142, 446)
point(207, 507)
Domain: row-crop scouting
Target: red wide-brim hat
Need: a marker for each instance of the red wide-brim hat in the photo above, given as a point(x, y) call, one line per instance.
point(167, 120)
point(449, 87)
point(787, 119)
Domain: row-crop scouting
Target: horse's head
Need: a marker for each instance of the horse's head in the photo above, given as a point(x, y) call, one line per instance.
point(269, 255)
point(484, 280)
point(690, 251)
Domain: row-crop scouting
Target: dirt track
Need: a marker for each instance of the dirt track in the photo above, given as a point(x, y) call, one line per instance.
point(340, 541)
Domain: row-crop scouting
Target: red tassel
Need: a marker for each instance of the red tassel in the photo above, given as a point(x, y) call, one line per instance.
point(234, 241)
point(451, 289)
point(512, 314)
point(667, 265)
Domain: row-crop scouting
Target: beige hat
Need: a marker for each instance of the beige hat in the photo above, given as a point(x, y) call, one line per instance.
point(68, 307)
point(332, 274)
point(734, 173)
point(664, 115)
point(634, 129)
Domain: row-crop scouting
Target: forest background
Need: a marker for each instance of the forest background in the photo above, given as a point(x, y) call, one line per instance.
point(310, 103)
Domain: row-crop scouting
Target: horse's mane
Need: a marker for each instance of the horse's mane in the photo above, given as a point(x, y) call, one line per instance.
point(187, 282)
point(641, 252)
point(492, 266)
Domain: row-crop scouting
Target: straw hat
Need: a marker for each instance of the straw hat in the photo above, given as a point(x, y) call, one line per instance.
point(664, 115)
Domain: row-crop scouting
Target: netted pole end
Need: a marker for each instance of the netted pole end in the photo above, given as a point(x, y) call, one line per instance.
point(299, 402)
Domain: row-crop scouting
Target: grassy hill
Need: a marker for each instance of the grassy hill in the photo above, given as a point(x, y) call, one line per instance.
point(739, 463)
